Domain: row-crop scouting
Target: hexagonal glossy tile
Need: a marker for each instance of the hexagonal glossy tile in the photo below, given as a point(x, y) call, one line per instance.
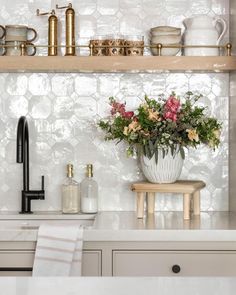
point(63, 108)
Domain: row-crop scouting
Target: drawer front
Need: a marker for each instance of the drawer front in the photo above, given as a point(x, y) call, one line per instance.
point(16, 263)
point(174, 263)
point(20, 263)
point(92, 263)
point(16, 259)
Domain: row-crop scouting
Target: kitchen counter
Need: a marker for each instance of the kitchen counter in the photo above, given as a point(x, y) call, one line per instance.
point(124, 226)
point(42, 215)
point(115, 286)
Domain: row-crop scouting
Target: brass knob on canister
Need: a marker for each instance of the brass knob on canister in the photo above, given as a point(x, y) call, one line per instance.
point(70, 29)
point(52, 31)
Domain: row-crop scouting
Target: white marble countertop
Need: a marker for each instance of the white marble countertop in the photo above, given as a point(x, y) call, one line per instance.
point(42, 215)
point(118, 286)
point(124, 226)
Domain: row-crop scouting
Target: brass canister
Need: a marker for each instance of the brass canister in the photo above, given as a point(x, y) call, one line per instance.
point(52, 32)
point(70, 29)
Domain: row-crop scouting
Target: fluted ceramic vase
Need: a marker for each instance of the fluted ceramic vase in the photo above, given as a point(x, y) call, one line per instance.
point(166, 170)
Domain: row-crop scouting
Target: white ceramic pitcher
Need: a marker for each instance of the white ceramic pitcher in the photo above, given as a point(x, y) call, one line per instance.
point(203, 30)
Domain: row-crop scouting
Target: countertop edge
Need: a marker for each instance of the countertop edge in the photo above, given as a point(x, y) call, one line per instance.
point(99, 235)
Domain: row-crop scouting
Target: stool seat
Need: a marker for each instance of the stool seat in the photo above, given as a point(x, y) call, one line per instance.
point(189, 188)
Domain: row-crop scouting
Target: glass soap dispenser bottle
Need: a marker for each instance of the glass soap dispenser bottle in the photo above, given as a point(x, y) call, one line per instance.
point(89, 192)
point(70, 193)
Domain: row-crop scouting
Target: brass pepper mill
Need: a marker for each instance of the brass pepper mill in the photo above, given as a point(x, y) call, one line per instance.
point(70, 29)
point(52, 31)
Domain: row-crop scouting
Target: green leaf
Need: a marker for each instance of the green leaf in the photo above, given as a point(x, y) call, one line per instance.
point(156, 143)
point(163, 153)
point(151, 146)
point(182, 153)
point(147, 152)
point(144, 151)
point(156, 156)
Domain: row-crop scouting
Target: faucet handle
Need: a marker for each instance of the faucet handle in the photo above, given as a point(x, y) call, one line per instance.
point(42, 182)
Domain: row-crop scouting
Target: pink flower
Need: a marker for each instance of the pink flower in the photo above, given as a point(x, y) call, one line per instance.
point(128, 115)
point(118, 108)
point(168, 115)
point(169, 101)
point(174, 117)
point(172, 104)
point(171, 116)
point(171, 108)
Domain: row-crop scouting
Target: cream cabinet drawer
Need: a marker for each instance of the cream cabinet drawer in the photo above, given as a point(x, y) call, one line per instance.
point(20, 263)
point(92, 263)
point(174, 263)
point(16, 263)
point(16, 259)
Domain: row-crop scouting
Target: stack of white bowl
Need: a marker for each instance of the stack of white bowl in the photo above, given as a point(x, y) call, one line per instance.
point(166, 36)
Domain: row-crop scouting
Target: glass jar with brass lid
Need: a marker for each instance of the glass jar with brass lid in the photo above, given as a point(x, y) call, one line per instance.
point(89, 192)
point(70, 193)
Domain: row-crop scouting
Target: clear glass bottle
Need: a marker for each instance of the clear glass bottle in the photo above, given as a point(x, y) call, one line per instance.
point(70, 193)
point(89, 192)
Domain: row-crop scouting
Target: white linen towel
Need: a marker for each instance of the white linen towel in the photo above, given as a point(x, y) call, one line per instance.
point(58, 250)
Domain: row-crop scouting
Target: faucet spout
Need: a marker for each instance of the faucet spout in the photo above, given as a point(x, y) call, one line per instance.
point(22, 149)
point(22, 156)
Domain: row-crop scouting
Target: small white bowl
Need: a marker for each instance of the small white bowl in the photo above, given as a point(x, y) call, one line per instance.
point(165, 30)
point(166, 39)
point(166, 51)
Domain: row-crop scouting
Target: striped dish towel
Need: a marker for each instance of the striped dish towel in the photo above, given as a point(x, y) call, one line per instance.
point(58, 250)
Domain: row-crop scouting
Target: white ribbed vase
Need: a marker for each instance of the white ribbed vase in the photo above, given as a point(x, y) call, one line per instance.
point(167, 170)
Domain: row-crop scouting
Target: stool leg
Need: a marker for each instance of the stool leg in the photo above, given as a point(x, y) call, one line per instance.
point(140, 204)
point(196, 203)
point(151, 202)
point(187, 199)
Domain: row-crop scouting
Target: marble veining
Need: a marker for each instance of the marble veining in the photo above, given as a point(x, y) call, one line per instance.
point(62, 109)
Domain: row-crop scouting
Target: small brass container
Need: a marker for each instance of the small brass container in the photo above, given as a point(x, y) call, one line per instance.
point(52, 32)
point(115, 45)
point(70, 29)
point(134, 45)
point(96, 45)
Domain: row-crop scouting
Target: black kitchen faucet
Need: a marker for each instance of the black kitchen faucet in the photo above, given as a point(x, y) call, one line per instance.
point(22, 156)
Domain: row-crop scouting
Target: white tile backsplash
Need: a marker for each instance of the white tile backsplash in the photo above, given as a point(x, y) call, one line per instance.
point(62, 109)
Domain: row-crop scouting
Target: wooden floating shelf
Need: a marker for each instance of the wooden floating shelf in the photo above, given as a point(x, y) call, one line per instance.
point(106, 64)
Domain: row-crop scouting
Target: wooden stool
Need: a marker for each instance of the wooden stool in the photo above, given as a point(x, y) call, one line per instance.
point(189, 189)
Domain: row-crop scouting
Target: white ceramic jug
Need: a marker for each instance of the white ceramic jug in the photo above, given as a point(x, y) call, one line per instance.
point(203, 30)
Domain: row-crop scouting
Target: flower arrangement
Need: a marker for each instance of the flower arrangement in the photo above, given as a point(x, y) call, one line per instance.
point(166, 124)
